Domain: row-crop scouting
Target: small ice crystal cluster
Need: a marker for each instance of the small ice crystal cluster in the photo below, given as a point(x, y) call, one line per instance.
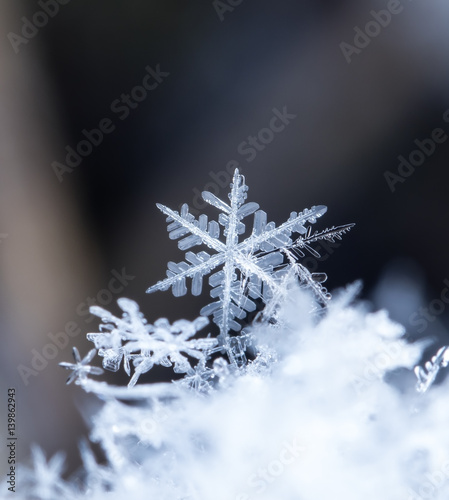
point(296, 405)
point(133, 339)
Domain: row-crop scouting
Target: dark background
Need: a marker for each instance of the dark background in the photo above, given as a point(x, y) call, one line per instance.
point(226, 74)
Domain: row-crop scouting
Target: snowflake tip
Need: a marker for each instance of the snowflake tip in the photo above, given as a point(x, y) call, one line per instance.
point(160, 206)
point(128, 305)
point(200, 323)
point(100, 312)
point(216, 202)
point(319, 211)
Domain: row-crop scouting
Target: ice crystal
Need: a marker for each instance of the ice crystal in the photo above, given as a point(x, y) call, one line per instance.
point(200, 379)
point(251, 269)
point(427, 375)
point(80, 369)
point(44, 481)
point(132, 339)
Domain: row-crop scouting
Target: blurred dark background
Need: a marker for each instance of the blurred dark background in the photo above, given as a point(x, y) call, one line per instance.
point(228, 68)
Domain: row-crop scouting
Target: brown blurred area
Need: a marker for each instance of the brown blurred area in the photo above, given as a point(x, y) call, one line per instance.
point(352, 121)
point(47, 259)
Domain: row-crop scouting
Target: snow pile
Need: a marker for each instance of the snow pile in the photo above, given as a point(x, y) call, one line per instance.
point(327, 409)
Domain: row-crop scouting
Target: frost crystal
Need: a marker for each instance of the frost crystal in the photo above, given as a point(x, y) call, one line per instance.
point(133, 339)
point(81, 367)
point(199, 379)
point(254, 268)
point(44, 481)
point(426, 376)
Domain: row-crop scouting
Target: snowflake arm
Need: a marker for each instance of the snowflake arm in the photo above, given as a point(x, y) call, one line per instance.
point(330, 234)
point(269, 237)
point(200, 231)
point(199, 265)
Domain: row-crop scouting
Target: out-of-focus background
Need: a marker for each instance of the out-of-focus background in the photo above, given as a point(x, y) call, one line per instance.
point(358, 84)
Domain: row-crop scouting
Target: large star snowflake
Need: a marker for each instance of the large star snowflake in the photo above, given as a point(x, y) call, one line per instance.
point(254, 268)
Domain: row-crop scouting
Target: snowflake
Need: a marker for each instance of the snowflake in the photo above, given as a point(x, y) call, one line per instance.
point(133, 339)
point(199, 379)
point(252, 269)
point(44, 480)
point(81, 367)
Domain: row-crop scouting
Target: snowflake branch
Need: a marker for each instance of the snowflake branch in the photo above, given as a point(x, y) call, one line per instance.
point(426, 376)
point(193, 229)
point(294, 224)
